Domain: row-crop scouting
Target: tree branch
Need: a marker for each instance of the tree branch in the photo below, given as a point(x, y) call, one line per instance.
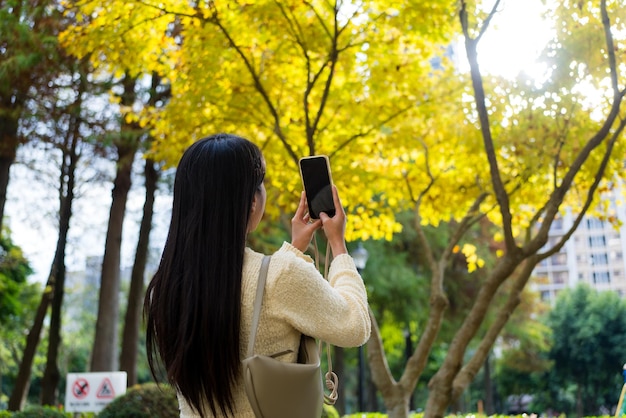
point(590, 194)
point(257, 84)
point(381, 374)
point(468, 372)
point(479, 95)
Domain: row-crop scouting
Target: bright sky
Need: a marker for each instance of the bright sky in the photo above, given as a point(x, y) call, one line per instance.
point(515, 38)
point(511, 45)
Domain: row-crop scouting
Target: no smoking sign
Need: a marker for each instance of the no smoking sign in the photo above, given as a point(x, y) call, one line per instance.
point(80, 388)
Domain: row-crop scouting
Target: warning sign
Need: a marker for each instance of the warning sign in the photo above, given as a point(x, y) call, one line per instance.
point(80, 396)
point(106, 390)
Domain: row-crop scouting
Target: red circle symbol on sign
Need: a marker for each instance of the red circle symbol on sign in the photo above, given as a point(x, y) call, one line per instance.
point(80, 388)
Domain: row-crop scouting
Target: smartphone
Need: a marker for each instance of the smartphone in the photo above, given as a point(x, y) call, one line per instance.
point(317, 181)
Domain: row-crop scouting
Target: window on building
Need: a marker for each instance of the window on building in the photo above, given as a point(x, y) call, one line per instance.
point(594, 223)
point(596, 241)
point(557, 224)
point(581, 277)
point(560, 277)
point(559, 259)
point(552, 241)
point(599, 259)
point(600, 277)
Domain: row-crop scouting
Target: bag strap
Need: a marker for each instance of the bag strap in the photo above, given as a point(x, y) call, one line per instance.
point(331, 379)
point(258, 300)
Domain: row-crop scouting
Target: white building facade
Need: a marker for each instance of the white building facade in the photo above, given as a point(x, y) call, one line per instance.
point(595, 255)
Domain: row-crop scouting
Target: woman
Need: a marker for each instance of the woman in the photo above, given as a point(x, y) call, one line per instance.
point(199, 303)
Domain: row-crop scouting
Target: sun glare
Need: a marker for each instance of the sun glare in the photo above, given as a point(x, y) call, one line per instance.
point(513, 41)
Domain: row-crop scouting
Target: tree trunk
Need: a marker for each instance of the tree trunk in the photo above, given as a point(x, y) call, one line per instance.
point(104, 353)
point(398, 406)
point(488, 385)
point(372, 393)
point(9, 141)
point(18, 396)
point(5, 168)
point(132, 323)
point(395, 395)
point(452, 379)
point(408, 351)
point(579, 401)
point(51, 377)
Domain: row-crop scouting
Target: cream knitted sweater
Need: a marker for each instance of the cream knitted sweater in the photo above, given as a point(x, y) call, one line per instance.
point(297, 300)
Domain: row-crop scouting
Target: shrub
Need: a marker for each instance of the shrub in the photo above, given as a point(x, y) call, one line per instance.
point(329, 412)
point(39, 412)
point(144, 401)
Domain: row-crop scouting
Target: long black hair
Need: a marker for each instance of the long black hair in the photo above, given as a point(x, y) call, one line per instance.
point(193, 302)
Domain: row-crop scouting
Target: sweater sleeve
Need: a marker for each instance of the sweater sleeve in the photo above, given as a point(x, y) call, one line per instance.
point(335, 311)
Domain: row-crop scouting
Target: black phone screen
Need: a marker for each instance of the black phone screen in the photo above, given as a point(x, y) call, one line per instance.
point(317, 186)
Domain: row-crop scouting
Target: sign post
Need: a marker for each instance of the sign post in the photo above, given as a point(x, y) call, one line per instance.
point(91, 392)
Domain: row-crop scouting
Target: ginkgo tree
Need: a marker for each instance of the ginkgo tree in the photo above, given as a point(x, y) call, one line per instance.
point(371, 84)
point(546, 152)
point(298, 78)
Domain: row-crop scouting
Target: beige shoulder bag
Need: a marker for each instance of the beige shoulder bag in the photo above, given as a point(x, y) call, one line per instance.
point(278, 389)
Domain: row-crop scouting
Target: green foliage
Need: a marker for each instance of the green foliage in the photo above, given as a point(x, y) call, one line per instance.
point(144, 401)
point(379, 415)
point(40, 411)
point(329, 412)
point(18, 302)
point(14, 270)
point(589, 336)
point(28, 50)
point(36, 411)
point(526, 342)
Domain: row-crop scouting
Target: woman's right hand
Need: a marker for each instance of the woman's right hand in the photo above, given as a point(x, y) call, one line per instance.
point(302, 226)
point(335, 227)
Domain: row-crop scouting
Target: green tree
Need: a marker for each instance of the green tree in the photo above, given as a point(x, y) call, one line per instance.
point(17, 302)
point(524, 345)
point(14, 272)
point(589, 336)
point(27, 53)
point(68, 139)
point(60, 124)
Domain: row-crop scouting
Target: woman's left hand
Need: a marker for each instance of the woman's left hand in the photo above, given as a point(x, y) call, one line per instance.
point(302, 226)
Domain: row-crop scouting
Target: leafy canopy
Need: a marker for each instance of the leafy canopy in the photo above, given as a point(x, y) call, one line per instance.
point(298, 78)
point(369, 83)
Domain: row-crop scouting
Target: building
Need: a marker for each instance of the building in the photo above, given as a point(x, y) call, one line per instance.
point(593, 255)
